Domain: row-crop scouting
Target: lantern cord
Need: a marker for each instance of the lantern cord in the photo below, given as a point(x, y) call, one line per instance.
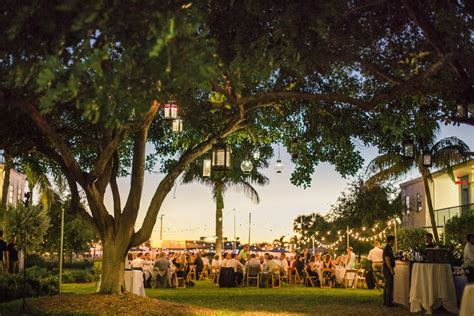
point(278, 151)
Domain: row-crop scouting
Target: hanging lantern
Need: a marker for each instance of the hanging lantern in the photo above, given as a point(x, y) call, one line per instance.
point(409, 149)
point(221, 156)
point(427, 158)
point(177, 125)
point(206, 168)
point(246, 166)
point(278, 166)
point(256, 154)
point(171, 110)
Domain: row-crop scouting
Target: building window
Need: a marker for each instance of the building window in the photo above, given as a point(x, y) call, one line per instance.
point(418, 202)
point(407, 204)
point(10, 194)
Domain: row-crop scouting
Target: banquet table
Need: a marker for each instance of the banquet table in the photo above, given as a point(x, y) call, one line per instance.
point(432, 286)
point(467, 303)
point(134, 282)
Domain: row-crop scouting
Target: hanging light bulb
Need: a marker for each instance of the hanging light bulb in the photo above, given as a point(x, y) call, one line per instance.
point(246, 166)
point(278, 164)
point(256, 154)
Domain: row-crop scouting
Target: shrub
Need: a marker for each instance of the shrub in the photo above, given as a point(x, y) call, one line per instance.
point(80, 276)
point(411, 239)
point(39, 282)
point(457, 228)
point(35, 260)
point(80, 265)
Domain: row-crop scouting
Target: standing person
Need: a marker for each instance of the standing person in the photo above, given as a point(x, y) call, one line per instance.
point(3, 255)
point(13, 264)
point(244, 252)
point(351, 259)
point(429, 240)
point(468, 258)
point(376, 256)
point(388, 272)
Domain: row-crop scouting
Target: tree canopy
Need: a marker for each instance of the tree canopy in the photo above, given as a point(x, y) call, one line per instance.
point(82, 84)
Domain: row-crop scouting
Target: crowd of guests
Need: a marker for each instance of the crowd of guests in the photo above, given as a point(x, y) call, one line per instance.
point(9, 255)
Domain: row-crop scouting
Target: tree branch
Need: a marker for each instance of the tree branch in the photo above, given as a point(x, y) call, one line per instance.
point(114, 187)
point(422, 20)
point(50, 133)
point(106, 154)
point(379, 72)
point(168, 181)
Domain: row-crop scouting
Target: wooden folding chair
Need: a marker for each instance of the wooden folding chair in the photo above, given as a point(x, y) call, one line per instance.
point(349, 276)
point(276, 279)
point(251, 275)
point(360, 278)
point(204, 273)
point(191, 273)
point(327, 277)
point(309, 278)
point(293, 276)
point(180, 281)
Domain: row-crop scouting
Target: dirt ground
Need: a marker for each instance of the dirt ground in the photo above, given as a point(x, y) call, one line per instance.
point(127, 304)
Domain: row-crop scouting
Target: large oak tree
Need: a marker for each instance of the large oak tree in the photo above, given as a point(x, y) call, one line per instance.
point(83, 84)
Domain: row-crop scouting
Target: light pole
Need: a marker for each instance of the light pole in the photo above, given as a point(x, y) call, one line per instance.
point(347, 235)
point(61, 250)
point(235, 241)
point(250, 225)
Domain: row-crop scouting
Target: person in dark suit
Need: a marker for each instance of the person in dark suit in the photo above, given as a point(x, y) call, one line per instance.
point(388, 272)
point(429, 240)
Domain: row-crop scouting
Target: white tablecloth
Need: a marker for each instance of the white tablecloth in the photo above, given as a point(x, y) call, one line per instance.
point(467, 303)
point(401, 283)
point(339, 273)
point(134, 282)
point(432, 286)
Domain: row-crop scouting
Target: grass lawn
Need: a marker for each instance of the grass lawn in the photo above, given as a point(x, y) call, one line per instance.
point(286, 300)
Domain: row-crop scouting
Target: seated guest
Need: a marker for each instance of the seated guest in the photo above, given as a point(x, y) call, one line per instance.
point(351, 259)
point(318, 261)
point(299, 265)
point(327, 264)
point(138, 262)
point(468, 257)
point(216, 262)
point(306, 256)
point(376, 256)
point(162, 265)
point(291, 262)
point(283, 263)
point(429, 240)
point(313, 267)
point(340, 261)
point(254, 263)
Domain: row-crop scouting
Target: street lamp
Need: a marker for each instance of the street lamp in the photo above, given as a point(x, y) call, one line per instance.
point(221, 156)
point(409, 149)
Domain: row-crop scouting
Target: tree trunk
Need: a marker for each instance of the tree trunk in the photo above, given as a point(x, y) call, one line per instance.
point(6, 185)
point(425, 175)
point(113, 265)
point(219, 219)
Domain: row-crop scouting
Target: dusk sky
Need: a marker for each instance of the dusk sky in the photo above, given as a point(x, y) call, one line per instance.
point(191, 213)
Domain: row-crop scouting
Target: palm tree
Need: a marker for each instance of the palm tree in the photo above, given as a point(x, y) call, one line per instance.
point(445, 153)
point(220, 182)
